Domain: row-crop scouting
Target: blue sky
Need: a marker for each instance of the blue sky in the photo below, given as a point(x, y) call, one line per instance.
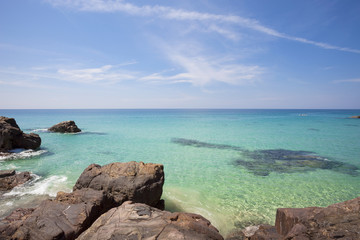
point(179, 54)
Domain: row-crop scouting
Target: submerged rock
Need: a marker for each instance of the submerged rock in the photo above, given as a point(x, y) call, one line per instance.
point(65, 127)
point(139, 221)
point(263, 162)
point(12, 137)
point(10, 179)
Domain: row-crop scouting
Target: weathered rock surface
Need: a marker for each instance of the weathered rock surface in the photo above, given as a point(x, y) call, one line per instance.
point(11, 223)
point(98, 189)
point(140, 221)
point(65, 127)
point(134, 181)
point(259, 232)
point(10, 179)
point(12, 137)
point(337, 221)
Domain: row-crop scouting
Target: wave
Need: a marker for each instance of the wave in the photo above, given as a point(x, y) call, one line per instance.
point(20, 153)
point(40, 130)
point(40, 186)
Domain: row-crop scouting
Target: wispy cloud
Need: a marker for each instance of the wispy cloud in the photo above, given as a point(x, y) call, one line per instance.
point(353, 80)
point(170, 13)
point(201, 70)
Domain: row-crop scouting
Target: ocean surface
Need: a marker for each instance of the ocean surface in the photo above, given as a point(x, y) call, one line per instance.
point(234, 167)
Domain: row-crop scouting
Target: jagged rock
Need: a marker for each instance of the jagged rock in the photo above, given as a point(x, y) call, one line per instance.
point(11, 223)
point(341, 220)
point(65, 127)
point(97, 190)
point(134, 181)
point(12, 137)
point(259, 232)
point(10, 179)
point(140, 221)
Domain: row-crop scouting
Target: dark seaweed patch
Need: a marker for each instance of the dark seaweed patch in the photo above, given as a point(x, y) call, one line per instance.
point(195, 143)
point(314, 129)
point(263, 162)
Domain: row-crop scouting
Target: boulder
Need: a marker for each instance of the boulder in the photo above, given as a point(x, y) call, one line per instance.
point(259, 232)
point(134, 181)
point(12, 137)
point(10, 179)
point(97, 190)
point(11, 223)
point(355, 117)
point(140, 221)
point(341, 220)
point(65, 127)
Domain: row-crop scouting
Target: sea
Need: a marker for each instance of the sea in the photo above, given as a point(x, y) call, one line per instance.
point(235, 167)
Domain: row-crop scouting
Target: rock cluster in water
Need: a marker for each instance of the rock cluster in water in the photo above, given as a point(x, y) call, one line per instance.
point(99, 189)
point(10, 179)
point(12, 137)
point(355, 116)
point(65, 127)
point(263, 162)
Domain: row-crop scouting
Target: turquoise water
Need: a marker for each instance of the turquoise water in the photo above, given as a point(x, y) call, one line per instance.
point(201, 151)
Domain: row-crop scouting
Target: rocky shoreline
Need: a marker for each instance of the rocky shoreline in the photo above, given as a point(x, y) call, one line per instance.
point(123, 201)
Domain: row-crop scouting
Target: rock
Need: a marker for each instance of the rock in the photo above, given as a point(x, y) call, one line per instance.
point(65, 127)
point(259, 232)
point(355, 117)
point(341, 220)
point(12, 137)
point(97, 190)
point(134, 181)
point(11, 223)
point(140, 221)
point(10, 179)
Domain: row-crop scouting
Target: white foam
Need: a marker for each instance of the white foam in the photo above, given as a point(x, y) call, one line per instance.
point(21, 154)
point(40, 186)
point(40, 130)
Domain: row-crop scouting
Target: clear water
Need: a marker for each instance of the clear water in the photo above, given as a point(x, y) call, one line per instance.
point(204, 179)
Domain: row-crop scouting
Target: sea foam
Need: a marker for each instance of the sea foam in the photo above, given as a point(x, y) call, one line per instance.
point(21, 154)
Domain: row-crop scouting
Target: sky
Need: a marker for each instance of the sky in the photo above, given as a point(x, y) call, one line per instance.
point(179, 54)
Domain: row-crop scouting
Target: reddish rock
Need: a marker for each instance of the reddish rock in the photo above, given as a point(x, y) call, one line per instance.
point(355, 117)
point(12, 137)
point(10, 179)
point(11, 223)
point(134, 181)
point(140, 221)
point(65, 127)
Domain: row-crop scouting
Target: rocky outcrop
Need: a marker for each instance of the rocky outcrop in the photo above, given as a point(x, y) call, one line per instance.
point(11, 223)
point(65, 127)
point(355, 117)
point(97, 190)
point(134, 181)
point(12, 137)
point(10, 179)
point(337, 221)
point(140, 221)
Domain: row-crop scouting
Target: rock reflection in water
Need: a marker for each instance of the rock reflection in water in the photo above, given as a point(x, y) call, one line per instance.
point(263, 162)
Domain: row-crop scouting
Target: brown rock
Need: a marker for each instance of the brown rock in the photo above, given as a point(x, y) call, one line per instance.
point(341, 220)
point(355, 117)
point(12, 137)
point(260, 232)
point(10, 179)
point(65, 127)
point(134, 181)
point(140, 221)
point(11, 223)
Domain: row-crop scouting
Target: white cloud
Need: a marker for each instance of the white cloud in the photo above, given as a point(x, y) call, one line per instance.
point(353, 80)
point(200, 71)
point(184, 15)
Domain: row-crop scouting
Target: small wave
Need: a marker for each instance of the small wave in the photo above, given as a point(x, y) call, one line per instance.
point(21, 154)
point(40, 130)
point(92, 133)
point(39, 186)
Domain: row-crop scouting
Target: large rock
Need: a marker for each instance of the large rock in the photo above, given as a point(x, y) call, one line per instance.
point(134, 181)
point(10, 179)
point(140, 221)
point(337, 221)
point(11, 223)
point(355, 117)
point(97, 190)
point(12, 137)
point(65, 127)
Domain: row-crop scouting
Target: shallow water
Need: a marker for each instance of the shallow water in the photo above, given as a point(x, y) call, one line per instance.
point(231, 166)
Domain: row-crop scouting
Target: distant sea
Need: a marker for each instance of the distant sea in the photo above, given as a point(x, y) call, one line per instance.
point(234, 167)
